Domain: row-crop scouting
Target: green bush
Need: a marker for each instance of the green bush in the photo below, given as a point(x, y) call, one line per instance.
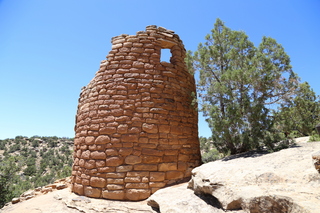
point(314, 137)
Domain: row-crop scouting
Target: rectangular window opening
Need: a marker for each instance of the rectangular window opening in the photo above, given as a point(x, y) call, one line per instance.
point(165, 55)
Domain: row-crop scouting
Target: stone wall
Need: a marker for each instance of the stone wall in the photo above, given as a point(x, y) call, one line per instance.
point(136, 128)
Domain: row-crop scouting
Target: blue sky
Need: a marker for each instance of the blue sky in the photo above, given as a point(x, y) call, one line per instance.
point(50, 49)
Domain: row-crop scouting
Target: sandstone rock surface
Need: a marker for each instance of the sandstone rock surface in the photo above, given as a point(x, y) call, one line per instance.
point(180, 199)
point(284, 181)
point(64, 201)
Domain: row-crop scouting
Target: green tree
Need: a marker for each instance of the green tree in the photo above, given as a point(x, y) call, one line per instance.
point(208, 151)
point(238, 85)
point(300, 113)
point(8, 170)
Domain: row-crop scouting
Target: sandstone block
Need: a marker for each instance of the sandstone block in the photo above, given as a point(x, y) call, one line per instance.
point(170, 158)
point(157, 184)
point(125, 151)
point(112, 187)
point(182, 166)
point(137, 185)
point(85, 182)
point(108, 130)
point(132, 179)
point(90, 164)
point(112, 152)
point(89, 140)
point(98, 155)
point(164, 128)
point(113, 195)
point(116, 175)
point(117, 46)
point(138, 174)
point(85, 154)
point(171, 152)
point(124, 168)
point(176, 130)
point(100, 163)
point(145, 167)
point(114, 161)
point(122, 128)
point(102, 139)
point(77, 188)
point(150, 128)
point(153, 152)
point(137, 194)
point(151, 159)
point(174, 175)
point(92, 192)
point(129, 138)
point(97, 182)
point(137, 50)
point(132, 159)
point(182, 157)
point(106, 169)
point(115, 181)
point(157, 176)
point(167, 166)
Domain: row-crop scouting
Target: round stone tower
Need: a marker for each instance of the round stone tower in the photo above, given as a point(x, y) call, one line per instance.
point(136, 125)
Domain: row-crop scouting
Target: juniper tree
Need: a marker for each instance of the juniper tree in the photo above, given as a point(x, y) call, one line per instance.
point(238, 85)
point(299, 113)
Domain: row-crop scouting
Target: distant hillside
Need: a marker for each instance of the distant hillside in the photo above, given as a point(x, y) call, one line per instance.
point(27, 163)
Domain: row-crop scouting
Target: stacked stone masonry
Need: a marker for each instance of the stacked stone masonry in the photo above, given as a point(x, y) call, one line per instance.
point(136, 127)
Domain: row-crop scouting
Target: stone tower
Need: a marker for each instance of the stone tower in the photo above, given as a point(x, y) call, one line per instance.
point(136, 127)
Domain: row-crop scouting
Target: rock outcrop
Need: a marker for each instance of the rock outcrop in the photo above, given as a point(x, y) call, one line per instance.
point(57, 185)
point(136, 127)
point(284, 181)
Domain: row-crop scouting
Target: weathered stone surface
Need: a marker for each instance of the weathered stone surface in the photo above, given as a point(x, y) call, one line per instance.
point(316, 160)
point(133, 159)
point(283, 181)
point(92, 192)
point(15, 200)
point(61, 186)
point(179, 199)
point(133, 106)
point(137, 194)
point(67, 202)
point(98, 182)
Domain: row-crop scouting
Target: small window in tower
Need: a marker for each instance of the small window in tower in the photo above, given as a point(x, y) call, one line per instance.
point(165, 55)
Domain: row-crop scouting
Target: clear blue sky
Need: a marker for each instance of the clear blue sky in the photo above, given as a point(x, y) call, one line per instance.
point(49, 49)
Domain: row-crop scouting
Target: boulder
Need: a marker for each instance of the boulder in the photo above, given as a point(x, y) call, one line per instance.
point(60, 186)
point(15, 200)
point(283, 181)
point(179, 199)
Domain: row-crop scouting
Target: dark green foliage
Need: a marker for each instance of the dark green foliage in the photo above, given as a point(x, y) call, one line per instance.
point(8, 169)
point(238, 85)
point(35, 143)
point(211, 155)
point(208, 151)
point(2, 144)
point(35, 161)
point(299, 114)
point(314, 137)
